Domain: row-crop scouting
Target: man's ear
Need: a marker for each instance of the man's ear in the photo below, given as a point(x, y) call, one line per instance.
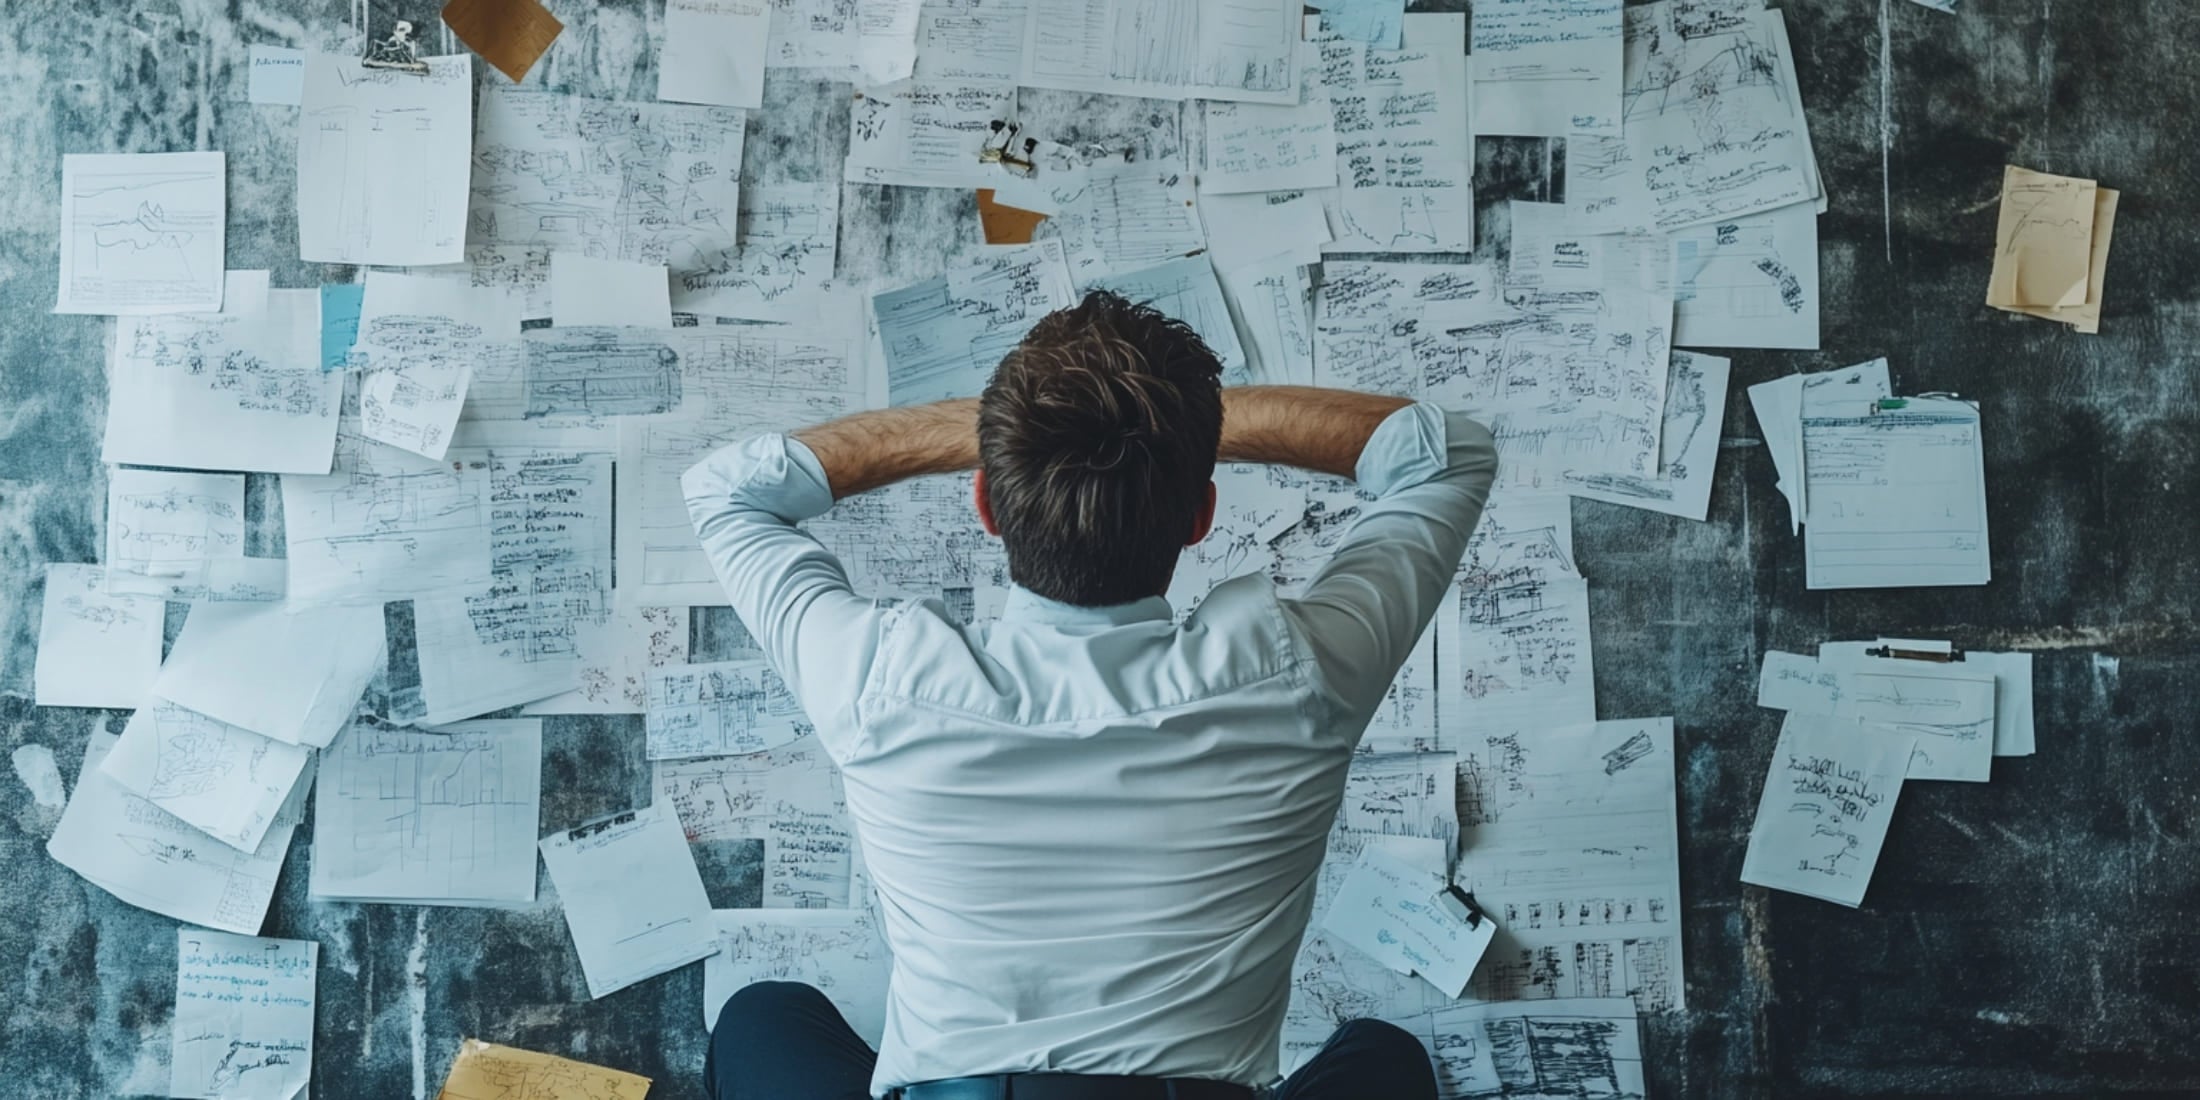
point(985, 505)
point(1206, 521)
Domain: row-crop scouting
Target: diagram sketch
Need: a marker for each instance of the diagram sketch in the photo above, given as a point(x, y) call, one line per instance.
point(908, 541)
point(1332, 983)
point(1253, 506)
point(1405, 151)
point(1272, 302)
point(1568, 837)
point(1512, 648)
point(655, 183)
point(788, 797)
point(229, 782)
point(734, 381)
point(839, 952)
point(224, 391)
point(944, 336)
point(180, 536)
point(142, 232)
point(596, 372)
point(1173, 49)
point(725, 708)
point(1714, 127)
point(1574, 1049)
point(1115, 217)
point(916, 133)
point(149, 858)
point(429, 816)
point(382, 161)
point(783, 266)
point(1401, 794)
point(388, 525)
point(615, 658)
point(1750, 282)
point(1688, 448)
point(420, 342)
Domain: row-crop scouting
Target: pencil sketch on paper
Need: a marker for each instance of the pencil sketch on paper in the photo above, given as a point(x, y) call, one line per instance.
point(1513, 646)
point(789, 240)
point(142, 233)
point(839, 952)
point(725, 708)
point(596, 372)
point(655, 183)
point(1213, 49)
point(429, 816)
point(387, 525)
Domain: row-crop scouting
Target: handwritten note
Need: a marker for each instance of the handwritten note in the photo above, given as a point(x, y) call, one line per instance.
point(421, 340)
point(95, 649)
point(2043, 243)
point(1405, 150)
point(1273, 147)
point(387, 525)
point(1389, 909)
point(1548, 67)
point(724, 708)
point(944, 336)
point(1243, 50)
point(1688, 448)
point(1826, 805)
point(382, 162)
point(278, 75)
point(633, 899)
point(244, 1016)
point(837, 951)
point(484, 1070)
point(784, 265)
point(924, 134)
point(142, 232)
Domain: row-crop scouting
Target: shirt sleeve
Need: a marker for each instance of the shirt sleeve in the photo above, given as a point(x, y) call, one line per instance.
point(791, 593)
point(1430, 471)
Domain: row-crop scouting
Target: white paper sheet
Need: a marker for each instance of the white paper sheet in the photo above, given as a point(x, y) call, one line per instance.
point(813, 34)
point(1119, 216)
point(180, 536)
point(1897, 497)
point(944, 336)
point(292, 676)
point(517, 640)
point(1751, 282)
point(837, 951)
point(444, 816)
point(971, 40)
point(782, 269)
point(734, 382)
point(1548, 67)
point(1688, 88)
point(615, 658)
point(1826, 805)
point(147, 857)
point(1272, 302)
point(1571, 1047)
point(95, 649)
point(564, 386)
point(1244, 50)
point(1272, 146)
point(654, 183)
point(1377, 22)
point(1948, 708)
point(1779, 405)
point(788, 797)
point(886, 39)
point(1797, 682)
point(633, 900)
point(1402, 794)
point(244, 1017)
point(1405, 144)
point(229, 782)
point(420, 342)
point(1688, 448)
point(2013, 708)
point(278, 75)
point(1512, 643)
point(1387, 909)
point(224, 391)
point(923, 134)
point(1572, 820)
point(1251, 228)
point(724, 708)
point(714, 52)
point(1187, 290)
point(1253, 505)
point(387, 525)
point(588, 291)
point(142, 232)
point(382, 161)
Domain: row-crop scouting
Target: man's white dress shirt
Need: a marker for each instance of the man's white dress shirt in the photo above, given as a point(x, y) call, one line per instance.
point(1094, 832)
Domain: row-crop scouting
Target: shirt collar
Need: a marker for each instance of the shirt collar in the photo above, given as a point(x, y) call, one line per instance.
point(1027, 606)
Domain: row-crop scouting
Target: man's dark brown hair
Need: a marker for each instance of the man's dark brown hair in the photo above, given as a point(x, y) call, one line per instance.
point(1097, 436)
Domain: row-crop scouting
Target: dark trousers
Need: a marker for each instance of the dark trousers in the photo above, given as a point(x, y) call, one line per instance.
point(785, 1041)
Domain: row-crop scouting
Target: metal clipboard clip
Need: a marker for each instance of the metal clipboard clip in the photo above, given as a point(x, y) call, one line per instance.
point(1461, 905)
point(1898, 650)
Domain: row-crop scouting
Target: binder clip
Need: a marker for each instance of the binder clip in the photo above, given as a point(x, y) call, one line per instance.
point(1025, 166)
point(1951, 655)
point(1461, 906)
point(996, 143)
point(399, 52)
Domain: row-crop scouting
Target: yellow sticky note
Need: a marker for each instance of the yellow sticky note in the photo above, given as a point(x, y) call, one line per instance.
point(2044, 245)
point(486, 1071)
point(2086, 318)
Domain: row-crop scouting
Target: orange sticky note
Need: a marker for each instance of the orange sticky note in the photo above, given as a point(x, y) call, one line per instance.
point(510, 34)
point(1006, 224)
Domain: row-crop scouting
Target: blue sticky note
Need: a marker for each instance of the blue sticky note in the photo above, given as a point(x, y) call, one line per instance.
point(339, 322)
point(1375, 22)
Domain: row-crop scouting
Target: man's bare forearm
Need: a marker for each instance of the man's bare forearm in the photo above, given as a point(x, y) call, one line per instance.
point(874, 449)
point(1305, 426)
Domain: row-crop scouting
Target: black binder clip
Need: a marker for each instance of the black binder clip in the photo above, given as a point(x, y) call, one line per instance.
point(1461, 905)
